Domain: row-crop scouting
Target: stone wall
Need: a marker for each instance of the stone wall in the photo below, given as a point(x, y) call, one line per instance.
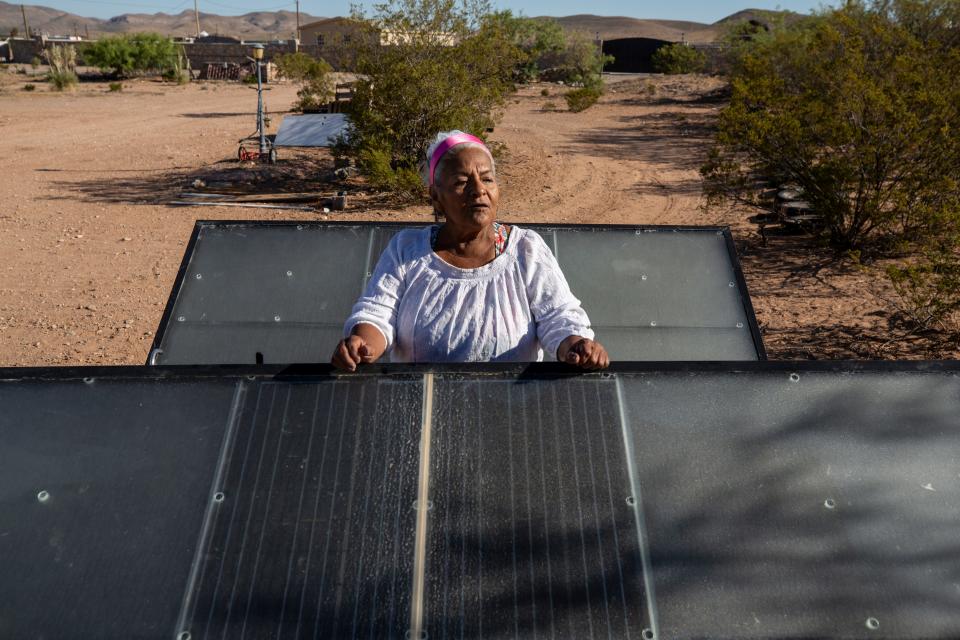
point(21, 50)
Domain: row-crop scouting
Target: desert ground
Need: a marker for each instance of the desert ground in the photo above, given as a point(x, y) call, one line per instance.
point(90, 247)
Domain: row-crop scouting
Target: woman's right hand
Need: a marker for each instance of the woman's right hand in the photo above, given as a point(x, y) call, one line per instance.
point(365, 344)
point(350, 352)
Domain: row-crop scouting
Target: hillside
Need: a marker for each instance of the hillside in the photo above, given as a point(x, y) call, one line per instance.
point(281, 24)
point(612, 27)
point(259, 24)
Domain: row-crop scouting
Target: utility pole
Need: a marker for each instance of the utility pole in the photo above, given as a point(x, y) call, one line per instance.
point(296, 44)
point(26, 27)
point(196, 14)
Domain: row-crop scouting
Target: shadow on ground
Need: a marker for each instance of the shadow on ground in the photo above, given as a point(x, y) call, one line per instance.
point(799, 267)
point(295, 172)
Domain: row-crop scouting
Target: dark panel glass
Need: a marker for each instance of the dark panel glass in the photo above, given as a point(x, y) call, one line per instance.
point(314, 535)
point(283, 291)
point(103, 489)
point(662, 295)
point(531, 533)
point(651, 295)
point(818, 505)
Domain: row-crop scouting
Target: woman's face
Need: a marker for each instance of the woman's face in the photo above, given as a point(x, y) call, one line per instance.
point(467, 192)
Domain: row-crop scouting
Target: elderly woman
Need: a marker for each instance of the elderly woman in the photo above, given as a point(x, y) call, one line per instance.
point(469, 290)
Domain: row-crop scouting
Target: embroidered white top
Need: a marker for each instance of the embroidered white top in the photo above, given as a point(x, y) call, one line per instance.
point(509, 310)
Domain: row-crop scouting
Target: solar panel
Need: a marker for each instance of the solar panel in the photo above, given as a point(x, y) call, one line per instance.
point(284, 290)
point(803, 504)
point(532, 532)
point(310, 130)
point(103, 487)
point(733, 500)
point(316, 528)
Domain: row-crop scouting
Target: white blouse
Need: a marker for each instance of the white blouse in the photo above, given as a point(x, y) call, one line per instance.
point(509, 310)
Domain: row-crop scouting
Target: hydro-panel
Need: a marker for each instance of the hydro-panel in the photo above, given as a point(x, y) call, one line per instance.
point(103, 488)
point(733, 500)
point(280, 292)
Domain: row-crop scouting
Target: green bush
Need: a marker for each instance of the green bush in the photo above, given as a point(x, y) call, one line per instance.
point(580, 99)
point(136, 53)
point(29, 87)
point(446, 69)
point(116, 86)
point(35, 62)
point(314, 76)
point(859, 109)
point(545, 92)
point(678, 58)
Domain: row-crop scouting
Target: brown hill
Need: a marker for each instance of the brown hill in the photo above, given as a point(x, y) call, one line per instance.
point(281, 24)
point(612, 27)
point(255, 25)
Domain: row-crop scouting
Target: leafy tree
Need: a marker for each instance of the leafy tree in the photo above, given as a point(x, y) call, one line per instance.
point(861, 109)
point(580, 62)
point(132, 53)
point(441, 66)
point(541, 41)
point(314, 76)
point(678, 58)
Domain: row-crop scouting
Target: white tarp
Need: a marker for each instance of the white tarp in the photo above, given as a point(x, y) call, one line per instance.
point(310, 130)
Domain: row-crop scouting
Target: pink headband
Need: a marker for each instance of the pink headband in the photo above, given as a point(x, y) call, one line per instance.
point(443, 147)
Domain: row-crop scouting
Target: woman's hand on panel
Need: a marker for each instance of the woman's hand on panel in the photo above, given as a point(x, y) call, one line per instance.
point(364, 345)
point(584, 353)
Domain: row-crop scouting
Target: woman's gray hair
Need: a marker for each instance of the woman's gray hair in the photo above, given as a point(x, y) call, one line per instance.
point(440, 137)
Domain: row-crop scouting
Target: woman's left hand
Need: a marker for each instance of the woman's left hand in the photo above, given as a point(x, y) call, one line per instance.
point(583, 352)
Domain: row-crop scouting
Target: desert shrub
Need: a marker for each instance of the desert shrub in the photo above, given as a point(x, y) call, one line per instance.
point(583, 98)
point(549, 106)
point(116, 86)
point(445, 68)
point(178, 69)
point(545, 92)
point(35, 62)
point(678, 58)
point(314, 76)
point(29, 87)
point(134, 53)
point(928, 288)
point(860, 110)
point(63, 66)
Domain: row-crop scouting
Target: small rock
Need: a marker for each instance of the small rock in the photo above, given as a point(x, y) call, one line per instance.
point(199, 184)
point(127, 239)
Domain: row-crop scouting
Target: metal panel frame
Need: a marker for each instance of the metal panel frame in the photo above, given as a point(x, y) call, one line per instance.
point(201, 224)
point(490, 371)
point(519, 370)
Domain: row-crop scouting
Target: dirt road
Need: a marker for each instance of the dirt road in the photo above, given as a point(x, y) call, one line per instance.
point(89, 250)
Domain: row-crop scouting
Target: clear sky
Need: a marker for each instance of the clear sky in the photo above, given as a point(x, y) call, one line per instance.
point(707, 11)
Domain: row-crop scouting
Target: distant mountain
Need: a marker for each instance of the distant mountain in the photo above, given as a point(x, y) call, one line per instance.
point(612, 27)
point(255, 25)
point(282, 24)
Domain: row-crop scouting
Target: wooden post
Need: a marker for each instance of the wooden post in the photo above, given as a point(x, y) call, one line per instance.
point(296, 45)
point(26, 27)
point(196, 14)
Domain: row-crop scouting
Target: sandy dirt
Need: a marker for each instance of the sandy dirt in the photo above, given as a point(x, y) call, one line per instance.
point(89, 249)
